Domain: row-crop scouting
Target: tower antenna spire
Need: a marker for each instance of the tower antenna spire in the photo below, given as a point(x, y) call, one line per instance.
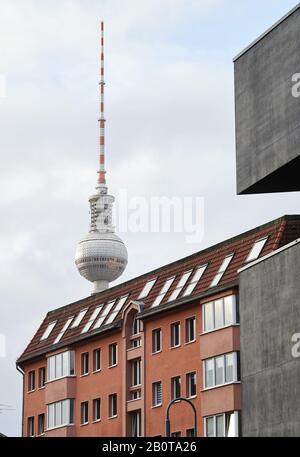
point(101, 256)
point(101, 172)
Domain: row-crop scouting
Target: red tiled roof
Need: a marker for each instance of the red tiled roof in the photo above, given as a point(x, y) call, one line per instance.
point(279, 232)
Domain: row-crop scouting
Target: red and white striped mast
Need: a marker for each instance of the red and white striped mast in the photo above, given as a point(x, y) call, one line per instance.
point(101, 172)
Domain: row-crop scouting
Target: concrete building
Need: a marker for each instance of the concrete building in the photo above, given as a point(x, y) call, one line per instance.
point(267, 105)
point(109, 365)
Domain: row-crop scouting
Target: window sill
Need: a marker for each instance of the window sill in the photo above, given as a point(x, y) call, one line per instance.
point(96, 421)
point(220, 385)
point(84, 424)
point(113, 417)
point(30, 391)
point(192, 397)
point(175, 347)
point(190, 342)
point(113, 366)
point(41, 388)
point(156, 406)
point(219, 328)
point(84, 374)
point(59, 426)
point(97, 371)
point(61, 377)
point(157, 352)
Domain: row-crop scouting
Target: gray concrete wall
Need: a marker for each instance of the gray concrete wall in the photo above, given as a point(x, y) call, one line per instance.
point(269, 316)
point(267, 115)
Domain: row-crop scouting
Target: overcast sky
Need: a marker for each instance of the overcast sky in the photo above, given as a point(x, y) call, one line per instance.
point(170, 132)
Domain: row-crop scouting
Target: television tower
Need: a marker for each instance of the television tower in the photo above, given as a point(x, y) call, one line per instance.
point(101, 256)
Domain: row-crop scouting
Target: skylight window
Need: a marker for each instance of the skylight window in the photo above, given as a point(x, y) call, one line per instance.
point(79, 318)
point(92, 319)
point(182, 282)
point(163, 292)
point(222, 270)
point(48, 330)
point(147, 287)
point(195, 279)
point(63, 330)
point(256, 249)
point(117, 308)
point(104, 314)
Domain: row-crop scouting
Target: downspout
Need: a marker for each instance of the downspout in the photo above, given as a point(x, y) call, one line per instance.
point(22, 373)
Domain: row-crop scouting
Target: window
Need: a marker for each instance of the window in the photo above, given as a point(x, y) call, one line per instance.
point(136, 424)
point(222, 270)
point(176, 387)
point(84, 413)
point(84, 363)
point(104, 314)
point(135, 326)
point(163, 292)
point(175, 334)
point(41, 424)
point(112, 405)
point(190, 330)
point(176, 434)
point(156, 340)
point(256, 249)
point(135, 395)
point(222, 425)
point(30, 430)
point(190, 432)
point(31, 381)
point(96, 409)
point(136, 372)
point(92, 319)
point(191, 385)
point(42, 377)
point(180, 285)
point(219, 313)
point(63, 330)
point(97, 360)
point(113, 358)
point(221, 370)
point(157, 393)
point(147, 288)
point(60, 413)
point(61, 365)
point(117, 308)
point(195, 279)
point(48, 330)
point(78, 319)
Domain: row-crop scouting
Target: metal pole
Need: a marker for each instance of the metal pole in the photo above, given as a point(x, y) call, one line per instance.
point(168, 425)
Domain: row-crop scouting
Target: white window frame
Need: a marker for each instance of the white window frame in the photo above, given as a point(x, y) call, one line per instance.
point(199, 272)
point(223, 268)
point(136, 372)
point(224, 383)
point(181, 283)
point(31, 381)
point(92, 319)
point(188, 338)
point(48, 330)
point(30, 425)
point(256, 249)
point(78, 319)
point(63, 406)
point(174, 384)
point(156, 394)
point(97, 360)
point(66, 360)
point(163, 291)
point(84, 412)
point(235, 415)
point(111, 355)
point(85, 363)
point(112, 400)
point(189, 377)
point(156, 331)
point(212, 303)
point(96, 401)
point(173, 325)
point(147, 288)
